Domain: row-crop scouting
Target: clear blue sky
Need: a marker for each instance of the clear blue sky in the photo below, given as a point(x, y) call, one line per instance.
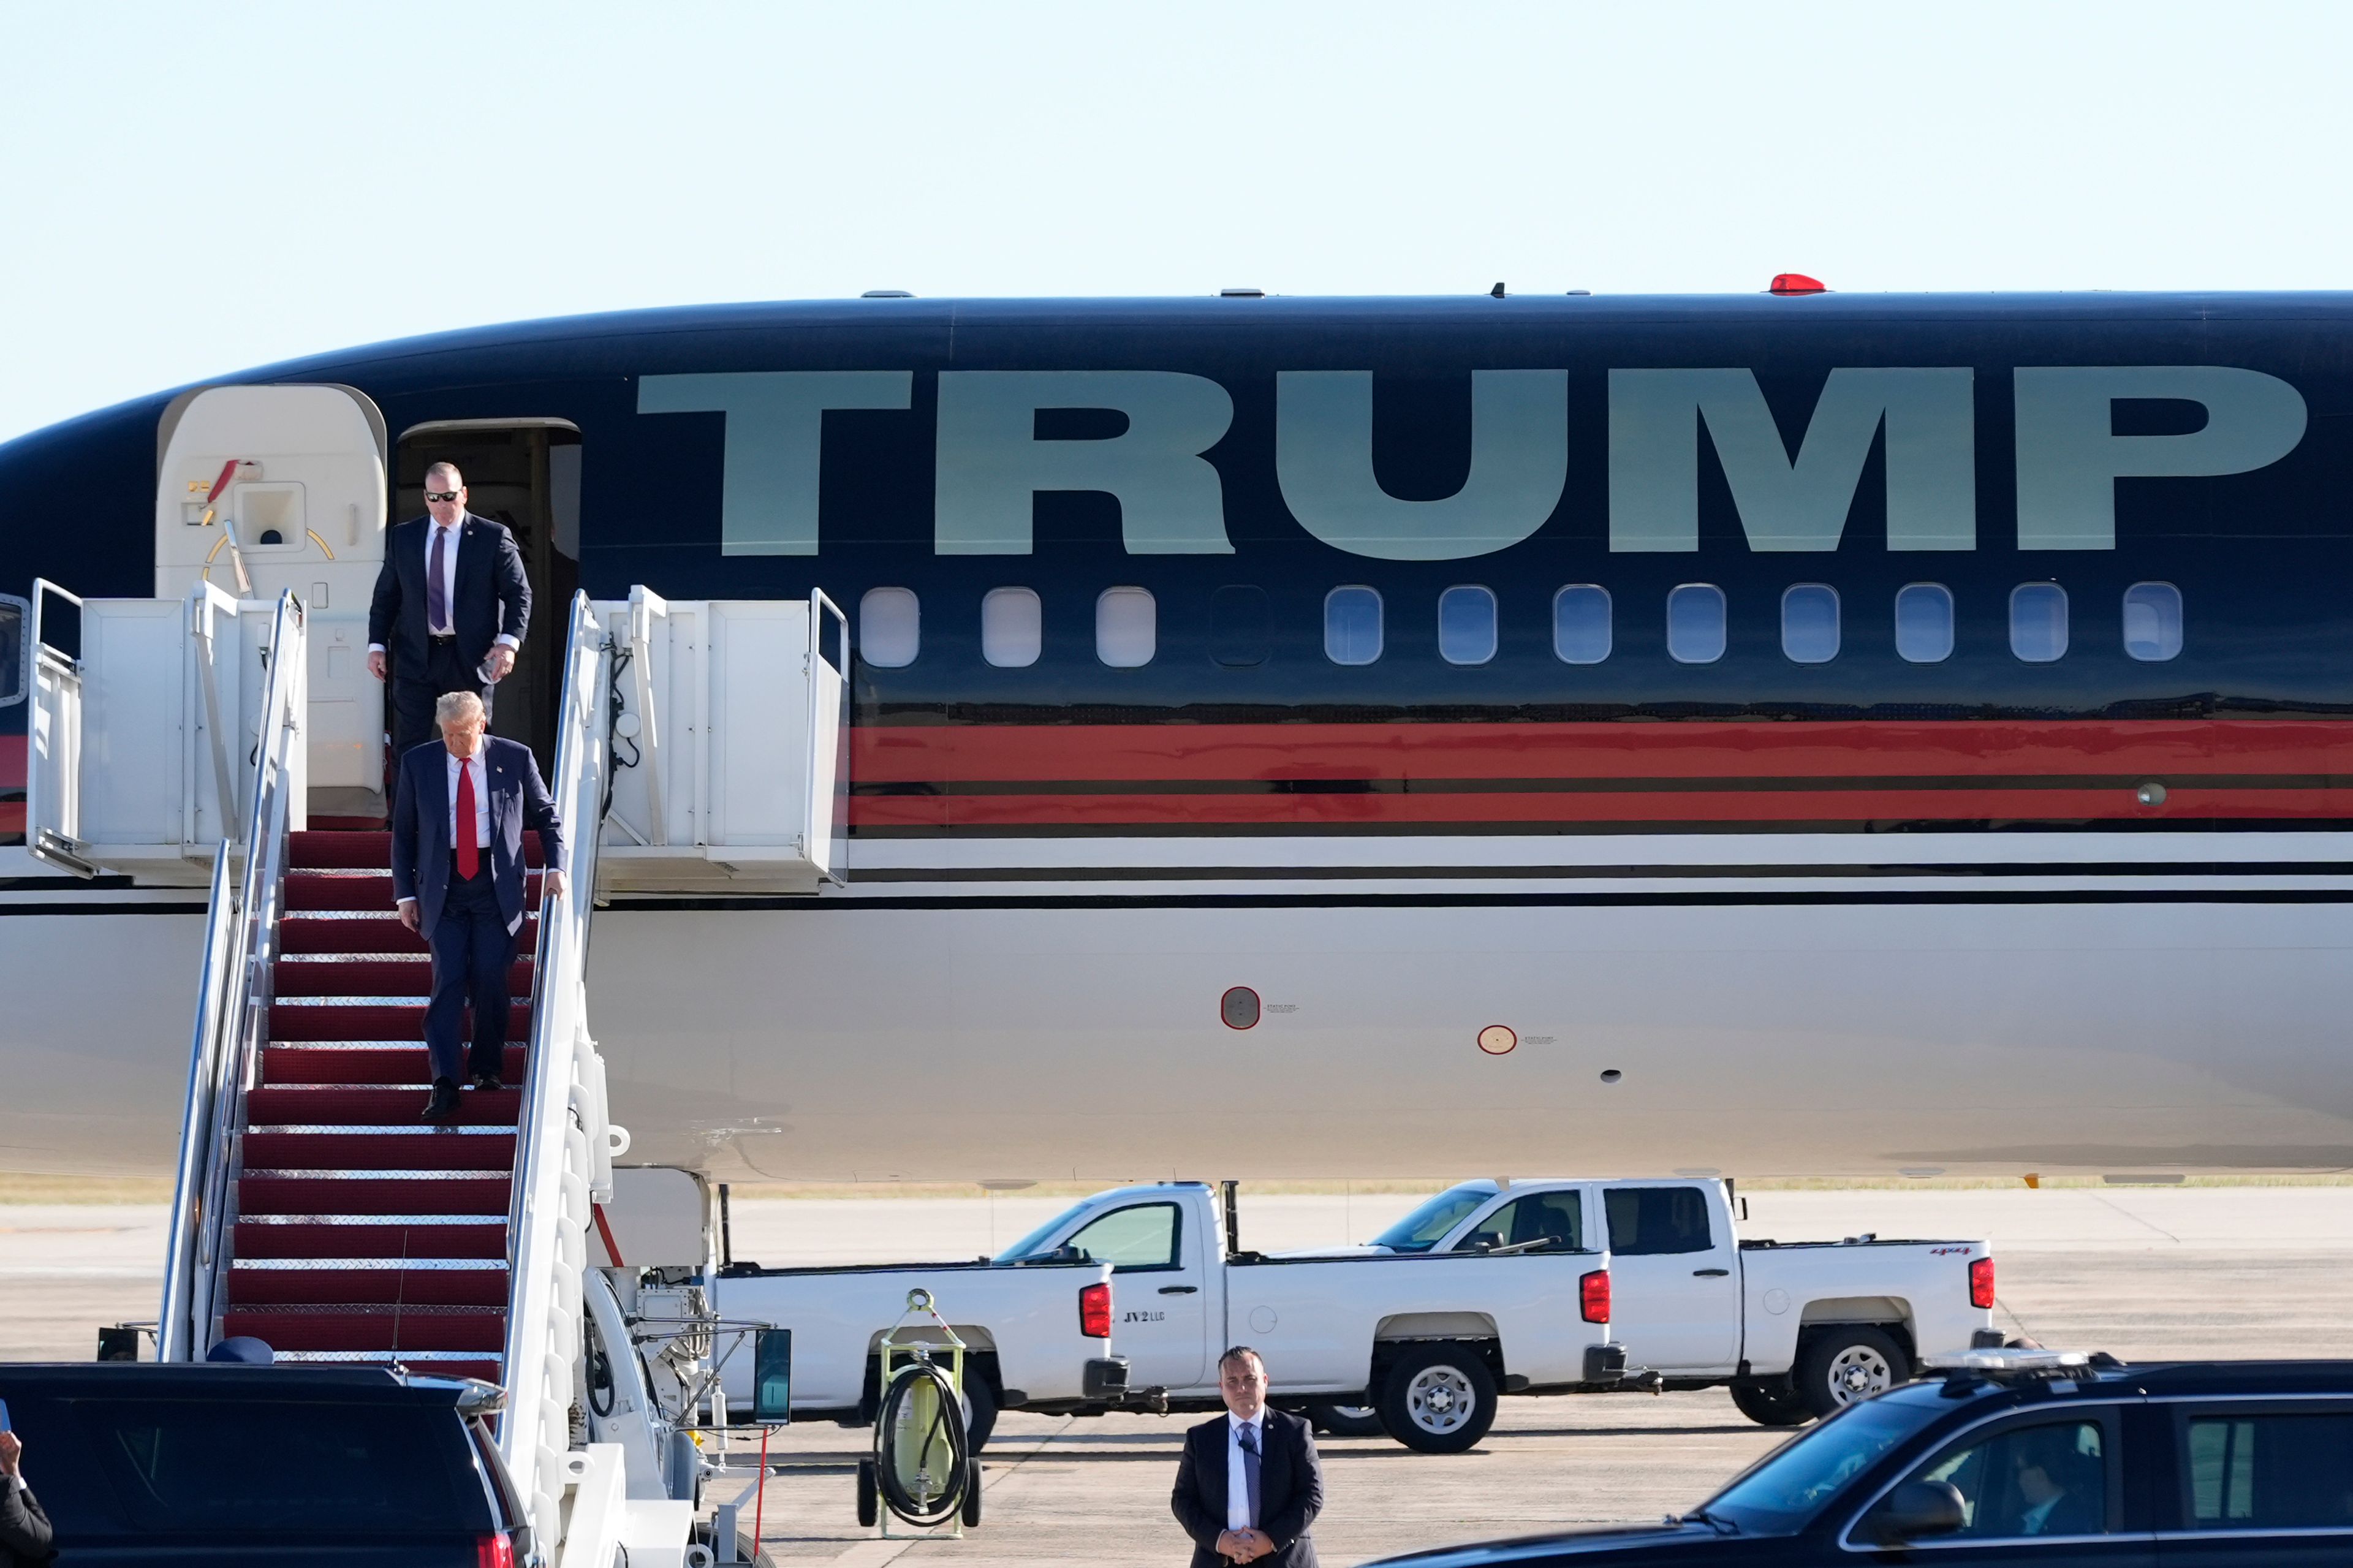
point(192, 190)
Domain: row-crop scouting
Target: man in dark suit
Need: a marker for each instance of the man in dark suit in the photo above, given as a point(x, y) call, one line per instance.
point(451, 606)
point(23, 1528)
point(458, 822)
point(1249, 1484)
point(2056, 1487)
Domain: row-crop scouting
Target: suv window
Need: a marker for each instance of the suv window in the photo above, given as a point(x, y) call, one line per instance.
point(1646, 1221)
point(2025, 1481)
point(2284, 1471)
point(280, 1466)
point(1554, 1219)
point(1142, 1235)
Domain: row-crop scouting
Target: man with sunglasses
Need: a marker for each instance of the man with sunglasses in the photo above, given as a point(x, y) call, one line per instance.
point(451, 606)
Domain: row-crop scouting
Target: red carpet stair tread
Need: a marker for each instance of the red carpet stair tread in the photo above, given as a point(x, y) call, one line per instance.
point(365, 1234)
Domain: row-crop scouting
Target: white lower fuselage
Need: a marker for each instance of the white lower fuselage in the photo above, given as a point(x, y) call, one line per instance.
point(1011, 1009)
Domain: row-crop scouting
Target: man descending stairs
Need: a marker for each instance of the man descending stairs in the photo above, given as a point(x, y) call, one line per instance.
point(363, 1233)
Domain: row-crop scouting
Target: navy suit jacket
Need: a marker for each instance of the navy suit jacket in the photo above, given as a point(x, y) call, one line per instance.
point(1289, 1490)
point(25, 1535)
point(420, 826)
point(490, 594)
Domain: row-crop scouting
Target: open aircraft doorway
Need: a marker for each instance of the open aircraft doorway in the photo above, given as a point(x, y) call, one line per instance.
point(524, 473)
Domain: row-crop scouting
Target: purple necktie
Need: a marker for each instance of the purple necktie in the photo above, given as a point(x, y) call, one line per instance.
point(1247, 1435)
point(437, 597)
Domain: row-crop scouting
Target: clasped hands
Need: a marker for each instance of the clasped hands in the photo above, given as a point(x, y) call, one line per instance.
point(1244, 1545)
point(413, 920)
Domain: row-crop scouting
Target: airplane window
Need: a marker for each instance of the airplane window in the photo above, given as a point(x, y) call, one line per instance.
point(890, 627)
point(1466, 624)
point(1695, 624)
point(2038, 622)
point(1125, 625)
point(2153, 621)
point(1924, 622)
point(1809, 624)
point(1240, 626)
point(1352, 626)
point(1011, 628)
point(1581, 624)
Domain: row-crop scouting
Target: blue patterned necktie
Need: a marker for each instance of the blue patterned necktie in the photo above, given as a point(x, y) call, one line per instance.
point(1247, 1435)
point(437, 594)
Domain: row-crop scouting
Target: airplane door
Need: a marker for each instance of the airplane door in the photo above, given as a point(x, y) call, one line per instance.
point(1159, 1308)
point(1674, 1284)
point(289, 482)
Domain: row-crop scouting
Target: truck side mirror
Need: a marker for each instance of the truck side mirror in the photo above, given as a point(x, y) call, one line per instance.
point(772, 1377)
point(1915, 1509)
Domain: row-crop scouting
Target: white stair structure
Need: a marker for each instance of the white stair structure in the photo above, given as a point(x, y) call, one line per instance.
point(144, 752)
point(733, 745)
point(311, 1203)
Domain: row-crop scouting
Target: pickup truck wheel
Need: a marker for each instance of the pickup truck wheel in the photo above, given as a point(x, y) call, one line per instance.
point(979, 1412)
point(1348, 1420)
point(1770, 1404)
point(1846, 1364)
point(1438, 1398)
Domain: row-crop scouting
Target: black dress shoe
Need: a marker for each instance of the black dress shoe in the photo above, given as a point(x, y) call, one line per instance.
point(487, 1080)
point(443, 1105)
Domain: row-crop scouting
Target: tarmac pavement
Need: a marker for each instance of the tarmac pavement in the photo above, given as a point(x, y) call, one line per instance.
point(2144, 1272)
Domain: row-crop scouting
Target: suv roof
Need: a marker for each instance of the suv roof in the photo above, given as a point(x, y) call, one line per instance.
point(214, 1380)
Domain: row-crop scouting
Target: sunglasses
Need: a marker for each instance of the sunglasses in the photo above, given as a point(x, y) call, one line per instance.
point(440, 495)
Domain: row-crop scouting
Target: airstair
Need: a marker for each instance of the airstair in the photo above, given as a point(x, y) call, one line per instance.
point(315, 1209)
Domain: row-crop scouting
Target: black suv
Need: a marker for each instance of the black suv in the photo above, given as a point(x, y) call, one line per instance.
point(2028, 1458)
point(226, 1463)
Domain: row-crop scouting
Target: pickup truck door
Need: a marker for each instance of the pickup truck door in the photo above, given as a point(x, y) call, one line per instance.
point(1159, 1314)
point(1674, 1278)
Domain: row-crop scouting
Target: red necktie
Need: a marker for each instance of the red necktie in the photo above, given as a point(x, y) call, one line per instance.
point(469, 855)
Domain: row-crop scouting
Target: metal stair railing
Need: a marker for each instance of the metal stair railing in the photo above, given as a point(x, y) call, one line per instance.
point(565, 1144)
point(235, 987)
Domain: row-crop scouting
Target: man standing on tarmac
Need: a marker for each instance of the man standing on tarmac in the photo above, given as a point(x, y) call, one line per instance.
point(451, 606)
point(1249, 1485)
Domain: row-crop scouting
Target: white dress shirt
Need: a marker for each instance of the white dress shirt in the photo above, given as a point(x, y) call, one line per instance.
point(1238, 1509)
point(482, 799)
point(434, 530)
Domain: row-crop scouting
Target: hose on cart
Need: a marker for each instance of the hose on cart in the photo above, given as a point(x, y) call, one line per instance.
point(923, 1460)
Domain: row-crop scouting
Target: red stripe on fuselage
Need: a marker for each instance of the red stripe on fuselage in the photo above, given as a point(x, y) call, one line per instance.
point(1678, 807)
point(1771, 772)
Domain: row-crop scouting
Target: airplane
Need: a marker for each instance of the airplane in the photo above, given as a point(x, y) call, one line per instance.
point(1804, 733)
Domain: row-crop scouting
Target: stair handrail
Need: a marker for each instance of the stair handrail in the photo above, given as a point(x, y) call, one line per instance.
point(561, 1121)
point(234, 996)
point(175, 1337)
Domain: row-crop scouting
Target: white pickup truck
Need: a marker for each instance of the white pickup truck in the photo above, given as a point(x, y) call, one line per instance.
point(1428, 1337)
point(1038, 1331)
point(1796, 1329)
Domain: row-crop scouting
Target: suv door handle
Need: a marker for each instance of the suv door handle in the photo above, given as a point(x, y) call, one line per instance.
point(1710, 1273)
point(1188, 1290)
